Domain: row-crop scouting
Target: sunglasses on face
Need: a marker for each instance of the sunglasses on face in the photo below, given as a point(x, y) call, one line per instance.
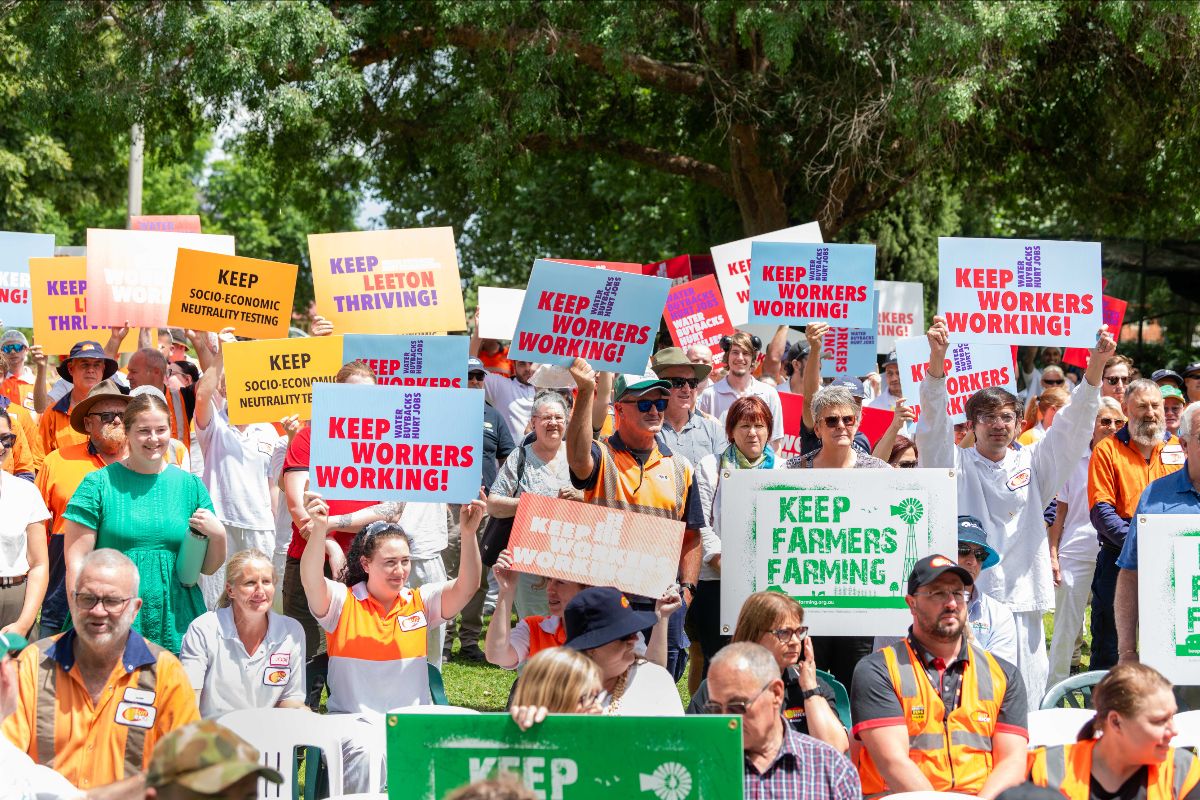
point(1108, 422)
point(644, 406)
point(832, 422)
point(1115, 379)
point(906, 464)
point(738, 707)
point(978, 553)
point(107, 416)
point(1053, 382)
point(679, 383)
point(8, 439)
point(13, 348)
point(475, 376)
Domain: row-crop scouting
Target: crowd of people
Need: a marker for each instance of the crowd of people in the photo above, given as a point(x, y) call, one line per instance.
point(162, 567)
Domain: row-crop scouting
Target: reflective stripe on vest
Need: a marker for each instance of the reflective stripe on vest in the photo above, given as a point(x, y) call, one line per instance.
point(611, 497)
point(1067, 769)
point(46, 701)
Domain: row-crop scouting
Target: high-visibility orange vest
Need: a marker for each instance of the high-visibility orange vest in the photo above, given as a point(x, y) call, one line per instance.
point(539, 640)
point(954, 753)
point(1067, 768)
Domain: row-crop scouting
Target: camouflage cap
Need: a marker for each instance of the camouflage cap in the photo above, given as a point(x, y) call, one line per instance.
point(205, 757)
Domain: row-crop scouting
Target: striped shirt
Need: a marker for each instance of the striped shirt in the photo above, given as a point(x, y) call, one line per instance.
point(803, 769)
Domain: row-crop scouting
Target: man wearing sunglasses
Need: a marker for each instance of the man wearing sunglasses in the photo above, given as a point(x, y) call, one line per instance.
point(1007, 488)
point(684, 429)
point(1118, 373)
point(744, 680)
point(17, 385)
point(633, 471)
point(936, 711)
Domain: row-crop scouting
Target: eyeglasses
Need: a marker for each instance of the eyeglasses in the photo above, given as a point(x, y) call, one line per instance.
point(905, 464)
point(943, 595)
point(644, 406)
point(679, 383)
point(832, 422)
point(8, 439)
point(784, 635)
point(1050, 382)
point(1109, 422)
point(107, 416)
point(474, 376)
point(992, 419)
point(738, 707)
point(977, 553)
point(588, 701)
point(113, 605)
point(1115, 379)
point(548, 418)
point(13, 348)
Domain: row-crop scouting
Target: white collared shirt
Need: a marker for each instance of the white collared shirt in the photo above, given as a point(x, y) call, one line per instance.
point(716, 400)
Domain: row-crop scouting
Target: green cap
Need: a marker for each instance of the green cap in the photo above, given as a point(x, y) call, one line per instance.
point(12, 644)
point(1171, 391)
point(638, 387)
point(206, 758)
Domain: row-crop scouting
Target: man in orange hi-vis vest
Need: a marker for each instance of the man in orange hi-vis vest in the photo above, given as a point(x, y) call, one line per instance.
point(934, 711)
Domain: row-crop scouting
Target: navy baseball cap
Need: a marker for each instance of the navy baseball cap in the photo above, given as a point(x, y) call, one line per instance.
point(853, 384)
point(930, 568)
point(1194, 367)
point(891, 359)
point(1171, 375)
point(601, 614)
point(971, 530)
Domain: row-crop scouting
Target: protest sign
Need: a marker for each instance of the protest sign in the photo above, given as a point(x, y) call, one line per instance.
point(795, 284)
point(695, 314)
point(848, 352)
point(616, 266)
point(607, 318)
point(129, 273)
point(498, 312)
point(678, 269)
point(410, 360)
point(595, 545)
point(269, 379)
point(732, 264)
point(1169, 594)
point(568, 756)
point(1112, 311)
point(166, 223)
point(58, 289)
point(840, 541)
point(901, 312)
point(872, 423)
point(1020, 291)
point(396, 443)
point(15, 251)
point(363, 278)
point(969, 366)
point(212, 291)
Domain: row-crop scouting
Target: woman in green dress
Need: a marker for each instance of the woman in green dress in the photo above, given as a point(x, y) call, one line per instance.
point(143, 507)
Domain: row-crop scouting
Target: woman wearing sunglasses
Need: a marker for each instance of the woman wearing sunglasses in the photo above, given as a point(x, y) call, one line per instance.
point(1074, 548)
point(836, 416)
point(748, 426)
point(776, 622)
point(24, 564)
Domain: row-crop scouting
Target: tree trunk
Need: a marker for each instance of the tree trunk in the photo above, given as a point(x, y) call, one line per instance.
point(757, 189)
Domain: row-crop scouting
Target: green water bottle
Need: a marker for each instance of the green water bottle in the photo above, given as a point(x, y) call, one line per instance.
point(191, 557)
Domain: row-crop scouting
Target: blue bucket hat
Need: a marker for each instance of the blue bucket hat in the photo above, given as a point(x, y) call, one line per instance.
point(88, 349)
point(599, 615)
point(971, 530)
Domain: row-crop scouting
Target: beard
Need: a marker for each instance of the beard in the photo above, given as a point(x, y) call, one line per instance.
point(1147, 432)
point(110, 440)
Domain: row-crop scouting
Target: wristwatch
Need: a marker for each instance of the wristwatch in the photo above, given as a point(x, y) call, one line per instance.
point(813, 692)
point(691, 587)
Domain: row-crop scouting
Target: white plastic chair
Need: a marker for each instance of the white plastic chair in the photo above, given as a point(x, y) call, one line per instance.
point(276, 733)
point(1051, 726)
point(1187, 725)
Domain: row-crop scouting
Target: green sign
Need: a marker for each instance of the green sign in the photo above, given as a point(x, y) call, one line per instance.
point(568, 757)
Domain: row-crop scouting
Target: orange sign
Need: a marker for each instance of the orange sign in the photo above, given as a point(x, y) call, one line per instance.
point(58, 289)
point(166, 223)
point(595, 545)
point(212, 291)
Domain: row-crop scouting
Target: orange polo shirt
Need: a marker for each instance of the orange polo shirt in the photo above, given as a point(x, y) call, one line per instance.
point(60, 476)
point(89, 738)
point(1118, 473)
point(55, 427)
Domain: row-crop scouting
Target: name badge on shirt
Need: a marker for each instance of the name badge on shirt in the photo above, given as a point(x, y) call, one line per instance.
point(280, 660)
point(136, 715)
point(275, 676)
point(1018, 480)
point(266, 448)
point(143, 697)
point(412, 622)
point(1173, 454)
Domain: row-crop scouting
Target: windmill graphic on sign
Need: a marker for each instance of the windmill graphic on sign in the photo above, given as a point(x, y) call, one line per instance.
point(910, 510)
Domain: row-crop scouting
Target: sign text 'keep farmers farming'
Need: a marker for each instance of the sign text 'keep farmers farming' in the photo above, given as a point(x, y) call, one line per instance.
point(1017, 291)
point(969, 367)
point(396, 443)
point(608, 318)
point(794, 284)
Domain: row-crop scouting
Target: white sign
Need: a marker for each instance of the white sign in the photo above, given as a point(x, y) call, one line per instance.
point(901, 312)
point(1169, 595)
point(842, 542)
point(732, 262)
point(969, 367)
point(498, 312)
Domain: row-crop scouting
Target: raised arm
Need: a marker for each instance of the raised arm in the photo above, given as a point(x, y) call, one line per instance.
point(774, 353)
point(312, 562)
point(935, 432)
point(463, 587)
point(604, 386)
point(497, 645)
point(815, 334)
point(579, 433)
point(214, 358)
point(116, 336)
point(902, 414)
point(41, 392)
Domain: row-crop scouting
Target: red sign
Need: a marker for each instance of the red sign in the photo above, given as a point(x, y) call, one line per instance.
point(695, 314)
point(618, 266)
point(872, 423)
point(1114, 316)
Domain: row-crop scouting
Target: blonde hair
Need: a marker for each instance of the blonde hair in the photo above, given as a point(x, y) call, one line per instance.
point(235, 568)
point(760, 613)
point(1123, 690)
point(557, 678)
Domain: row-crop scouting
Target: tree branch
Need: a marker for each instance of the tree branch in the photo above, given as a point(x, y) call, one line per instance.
point(661, 160)
point(681, 78)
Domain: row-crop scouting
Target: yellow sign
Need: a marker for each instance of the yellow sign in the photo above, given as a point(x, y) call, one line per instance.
point(268, 379)
point(58, 290)
point(401, 281)
point(213, 290)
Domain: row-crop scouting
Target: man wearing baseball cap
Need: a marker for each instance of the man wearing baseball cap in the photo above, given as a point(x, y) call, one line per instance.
point(936, 711)
point(1191, 382)
point(686, 430)
point(17, 384)
point(203, 759)
point(1172, 407)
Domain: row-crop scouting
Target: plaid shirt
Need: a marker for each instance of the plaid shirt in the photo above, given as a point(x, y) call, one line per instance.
point(803, 769)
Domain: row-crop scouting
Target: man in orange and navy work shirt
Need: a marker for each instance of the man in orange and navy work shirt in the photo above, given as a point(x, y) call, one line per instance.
point(83, 368)
point(1122, 466)
point(17, 384)
point(934, 712)
point(94, 701)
